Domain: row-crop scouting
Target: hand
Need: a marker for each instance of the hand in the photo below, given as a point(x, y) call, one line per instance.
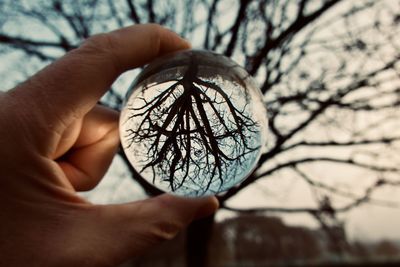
point(55, 141)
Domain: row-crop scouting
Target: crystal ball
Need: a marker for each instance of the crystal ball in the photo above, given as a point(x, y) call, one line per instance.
point(193, 123)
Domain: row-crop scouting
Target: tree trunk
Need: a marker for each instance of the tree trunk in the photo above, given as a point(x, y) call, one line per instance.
point(197, 239)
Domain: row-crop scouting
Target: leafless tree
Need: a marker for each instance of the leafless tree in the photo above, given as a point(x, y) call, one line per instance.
point(328, 69)
point(191, 127)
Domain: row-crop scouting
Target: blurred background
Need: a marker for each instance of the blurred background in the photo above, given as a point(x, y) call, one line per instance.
point(326, 191)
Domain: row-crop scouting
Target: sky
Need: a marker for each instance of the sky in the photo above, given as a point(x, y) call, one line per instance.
point(368, 222)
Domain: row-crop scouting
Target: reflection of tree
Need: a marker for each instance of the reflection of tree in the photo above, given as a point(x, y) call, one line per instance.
point(329, 71)
point(192, 114)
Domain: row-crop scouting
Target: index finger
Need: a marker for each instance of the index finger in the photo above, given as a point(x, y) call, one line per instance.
point(72, 85)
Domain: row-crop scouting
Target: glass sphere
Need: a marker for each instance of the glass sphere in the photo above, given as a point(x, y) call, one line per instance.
point(193, 123)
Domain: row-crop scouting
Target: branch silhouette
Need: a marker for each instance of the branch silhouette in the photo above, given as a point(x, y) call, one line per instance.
point(344, 84)
point(195, 134)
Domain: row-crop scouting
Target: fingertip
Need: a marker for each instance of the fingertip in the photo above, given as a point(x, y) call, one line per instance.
point(210, 206)
point(171, 41)
point(155, 219)
point(184, 43)
point(130, 52)
point(199, 207)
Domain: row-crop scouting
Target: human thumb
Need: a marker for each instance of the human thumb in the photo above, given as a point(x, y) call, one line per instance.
point(128, 230)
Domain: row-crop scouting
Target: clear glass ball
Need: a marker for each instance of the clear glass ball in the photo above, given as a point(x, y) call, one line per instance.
point(193, 123)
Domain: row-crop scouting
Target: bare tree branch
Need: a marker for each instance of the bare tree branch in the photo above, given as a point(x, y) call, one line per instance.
point(296, 26)
point(210, 20)
point(240, 18)
point(133, 14)
point(383, 140)
point(22, 42)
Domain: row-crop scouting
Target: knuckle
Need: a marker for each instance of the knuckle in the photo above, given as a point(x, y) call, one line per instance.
point(103, 45)
point(165, 230)
point(155, 32)
point(16, 117)
point(156, 28)
point(31, 124)
point(102, 42)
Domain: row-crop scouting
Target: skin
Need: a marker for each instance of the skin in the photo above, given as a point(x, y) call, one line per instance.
point(56, 141)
